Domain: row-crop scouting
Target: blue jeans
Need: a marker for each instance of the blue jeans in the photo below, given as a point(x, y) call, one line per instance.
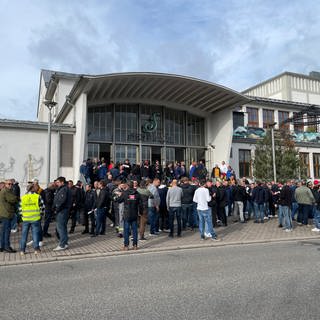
point(14, 222)
point(305, 211)
point(280, 215)
point(259, 211)
point(101, 221)
point(250, 208)
point(35, 228)
point(126, 231)
point(62, 227)
point(316, 218)
point(267, 209)
point(205, 223)
point(47, 220)
point(284, 212)
point(187, 215)
point(175, 212)
point(5, 233)
point(153, 217)
point(294, 209)
point(195, 216)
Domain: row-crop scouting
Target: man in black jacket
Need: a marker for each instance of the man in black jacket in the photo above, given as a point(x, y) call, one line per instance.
point(258, 198)
point(132, 207)
point(48, 195)
point(102, 202)
point(76, 196)
point(187, 203)
point(89, 205)
point(285, 199)
point(222, 201)
point(239, 197)
point(62, 204)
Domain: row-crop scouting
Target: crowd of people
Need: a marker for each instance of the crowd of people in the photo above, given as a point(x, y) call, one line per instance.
point(170, 199)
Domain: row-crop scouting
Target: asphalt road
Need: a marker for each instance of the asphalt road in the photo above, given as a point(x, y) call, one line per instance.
point(264, 281)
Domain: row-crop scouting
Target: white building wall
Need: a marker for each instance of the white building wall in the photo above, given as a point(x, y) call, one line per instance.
point(234, 160)
point(24, 155)
point(219, 135)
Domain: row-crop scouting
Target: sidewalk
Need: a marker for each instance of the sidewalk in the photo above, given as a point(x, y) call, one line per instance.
point(83, 246)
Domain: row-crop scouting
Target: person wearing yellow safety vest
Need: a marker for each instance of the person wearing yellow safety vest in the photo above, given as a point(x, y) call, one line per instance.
point(31, 209)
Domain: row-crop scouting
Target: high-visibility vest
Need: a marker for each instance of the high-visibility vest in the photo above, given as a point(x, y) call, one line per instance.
point(30, 209)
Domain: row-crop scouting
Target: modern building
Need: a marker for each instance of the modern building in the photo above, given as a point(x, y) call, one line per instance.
point(152, 116)
point(274, 101)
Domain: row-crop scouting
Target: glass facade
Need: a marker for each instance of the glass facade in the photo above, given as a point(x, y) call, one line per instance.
point(138, 132)
point(100, 124)
point(268, 117)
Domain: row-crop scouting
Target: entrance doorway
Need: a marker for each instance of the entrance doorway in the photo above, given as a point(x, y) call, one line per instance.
point(155, 154)
point(99, 150)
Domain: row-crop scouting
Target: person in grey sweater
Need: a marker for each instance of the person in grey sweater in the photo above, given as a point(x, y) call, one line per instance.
point(305, 200)
point(173, 201)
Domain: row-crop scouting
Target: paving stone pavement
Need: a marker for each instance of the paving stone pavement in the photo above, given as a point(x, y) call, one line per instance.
point(83, 246)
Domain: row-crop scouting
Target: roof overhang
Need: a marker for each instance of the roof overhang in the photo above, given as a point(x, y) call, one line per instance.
point(202, 96)
point(179, 90)
point(35, 125)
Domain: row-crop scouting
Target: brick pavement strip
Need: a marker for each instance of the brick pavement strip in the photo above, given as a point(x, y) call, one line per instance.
point(83, 246)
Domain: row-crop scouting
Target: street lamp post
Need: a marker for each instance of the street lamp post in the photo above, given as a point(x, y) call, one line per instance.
point(49, 105)
point(273, 152)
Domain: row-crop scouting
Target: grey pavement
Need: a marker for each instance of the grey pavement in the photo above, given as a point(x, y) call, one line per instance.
point(259, 281)
point(81, 246)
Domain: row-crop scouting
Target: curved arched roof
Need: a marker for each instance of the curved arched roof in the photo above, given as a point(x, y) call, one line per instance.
point(203, 96)
point(182, 90)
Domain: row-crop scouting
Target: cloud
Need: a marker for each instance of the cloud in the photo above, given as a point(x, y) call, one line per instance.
point(233, 43)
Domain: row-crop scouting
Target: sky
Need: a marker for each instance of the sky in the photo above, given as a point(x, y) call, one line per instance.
point(235, 43)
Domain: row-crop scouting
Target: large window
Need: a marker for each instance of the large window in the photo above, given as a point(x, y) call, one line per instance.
point(195, 130)
point(100, 123)
point(174, 126)
point(253, 117)
point(268, 118)
point(283, 116)
point(312, 123)
point(316, 165)
point(304, 165)
point(298, 123)
point(126, 123)
point(245, 163)
point(126, 152)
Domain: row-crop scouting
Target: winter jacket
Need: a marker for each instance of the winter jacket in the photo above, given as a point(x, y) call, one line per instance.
point(221, 196)
point(304, 195)
point(132, 204)
point(89, 202)
point(103, 199)
point(162, 191)
point(8, 203)
point(258, 195)
point(62, 199)
point(145, 194)
point(285, 196)
point(239, 193)
point(188, 193)
point(47, 196)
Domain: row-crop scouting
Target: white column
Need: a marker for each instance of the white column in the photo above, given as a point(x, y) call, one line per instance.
point(291, 123)
point(276, 118)
point(260, 115)
point(311, 165)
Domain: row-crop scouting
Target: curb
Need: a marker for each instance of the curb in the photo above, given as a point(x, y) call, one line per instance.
point(154, 250)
